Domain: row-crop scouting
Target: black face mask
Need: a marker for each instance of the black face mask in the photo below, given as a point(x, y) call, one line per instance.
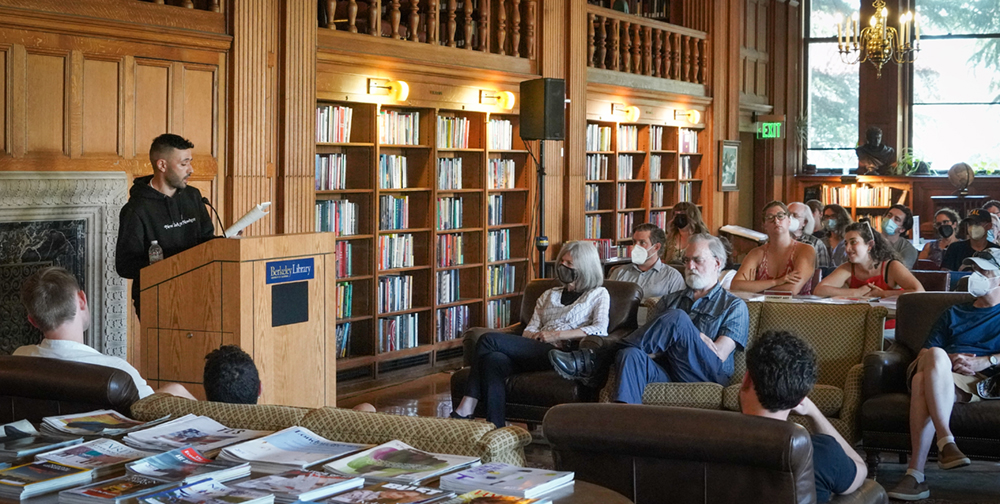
point(946, 231)
point(565, 274)
point(680, 221)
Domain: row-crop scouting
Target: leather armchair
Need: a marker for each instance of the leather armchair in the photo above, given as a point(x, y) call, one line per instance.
point(35, 387)
point(654, 454)
point(885, 410)
point(933, 281)
point(530, 395)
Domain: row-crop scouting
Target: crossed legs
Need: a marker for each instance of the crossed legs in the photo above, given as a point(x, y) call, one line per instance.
point(931, 401)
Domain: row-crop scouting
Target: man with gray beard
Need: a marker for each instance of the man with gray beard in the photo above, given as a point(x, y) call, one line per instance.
point(691, 334)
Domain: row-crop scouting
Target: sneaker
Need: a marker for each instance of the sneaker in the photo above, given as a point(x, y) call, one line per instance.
point(909, 490)
point(950, 457)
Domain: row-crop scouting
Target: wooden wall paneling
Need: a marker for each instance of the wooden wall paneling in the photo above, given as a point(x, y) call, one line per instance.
point(556, 41)
point(793, 96)
point(175, 98)
point(330, 331)
point(73, 118)
point(232, 297)
point(143, 349)
point(173, 25)
point(16, 137)
point(45, 96)
point(151, 106)
point(126, 107)
point(193, 346)
point(100, 107)
point(198, 116)
point(4, 96)
point(174, 301)
point(576, 124)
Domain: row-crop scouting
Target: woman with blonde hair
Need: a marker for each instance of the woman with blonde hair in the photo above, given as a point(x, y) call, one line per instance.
point(782, 264)
point(872, 269)
point(686, 222)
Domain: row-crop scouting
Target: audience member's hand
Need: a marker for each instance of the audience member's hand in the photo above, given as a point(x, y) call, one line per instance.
point(805, 407)
point(790, 277)
point(968, 364)
point(864, 290)
point(877, 292)
point(547, 336)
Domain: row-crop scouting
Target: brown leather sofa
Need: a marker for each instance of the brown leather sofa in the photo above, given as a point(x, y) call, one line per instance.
point(656, 454)
point(35, 387)
point(530, 395)
point(885, 410)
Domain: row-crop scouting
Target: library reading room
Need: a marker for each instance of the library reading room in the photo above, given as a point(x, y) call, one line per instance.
point(490, 251)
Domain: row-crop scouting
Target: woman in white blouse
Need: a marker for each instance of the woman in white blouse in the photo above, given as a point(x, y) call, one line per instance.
point(562, 314)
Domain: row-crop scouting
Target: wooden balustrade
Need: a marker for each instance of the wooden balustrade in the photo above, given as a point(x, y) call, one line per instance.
point(208, 5)
point(631, 44)
point(505, 27)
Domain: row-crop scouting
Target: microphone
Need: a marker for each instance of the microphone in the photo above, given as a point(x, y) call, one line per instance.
point(209, 203)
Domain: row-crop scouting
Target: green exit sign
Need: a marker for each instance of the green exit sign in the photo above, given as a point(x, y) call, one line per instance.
point(769, 130)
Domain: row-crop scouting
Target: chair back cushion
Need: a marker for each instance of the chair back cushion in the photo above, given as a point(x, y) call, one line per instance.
point(933, 281)
point(622, 310)
point(532, 292)
point(35, 387)
point(268, 417)
point(916, 313)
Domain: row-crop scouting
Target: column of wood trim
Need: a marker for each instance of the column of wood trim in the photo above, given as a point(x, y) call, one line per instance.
point(575, 49)
point(295, 182)
point(553, 64)
point(17, 130)
point(74, 104)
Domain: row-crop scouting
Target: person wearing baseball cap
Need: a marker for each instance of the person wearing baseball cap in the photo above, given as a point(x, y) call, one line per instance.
point(977, 223)
point(963, 349)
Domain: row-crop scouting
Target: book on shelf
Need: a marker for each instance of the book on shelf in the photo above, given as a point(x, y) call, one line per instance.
point(685, 191)
point(208, 492)
point(449, 173)
point(597, 166)
point(656, 194)
point(452, 132)
point(501, 173)
point(394, 212)
point(449, 215)
point(498, 313)
point(626, 221)
point(452, 322)
point(291, 448)
point(114, 491)
point(333, 124)
point(484, 497)
point(299, 485)
point(199, 432)
point(837, 195)
point(395, 251)
point(685, 168)
point(506, 479)
point(392, 172)
point(688, 141)
point(450, 250)
point(343, 339)
point(500, 279)
point(39, 478)
point(101, 454)
point(605, 248)
point(655, 167)
point(628, 137)
point(345, 299)
point(331, 172)
point(99, 422)
point(592, 226)
point(395, 293)
point(338, 216)
point(448, 286)
point(598, 138)
point(345, 258)
point(498, 245)
point(398, 462)
point(592, 198)
point(398, 332)
point(398, 128)
point(659, 218)
point(622, 196)
point(656, 137)
point(500, 134)
point(625, 171)
point(187, 465)
point(494, 209)
point(392, 493)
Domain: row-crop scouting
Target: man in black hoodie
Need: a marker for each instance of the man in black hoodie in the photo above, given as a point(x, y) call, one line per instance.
point(161, 207)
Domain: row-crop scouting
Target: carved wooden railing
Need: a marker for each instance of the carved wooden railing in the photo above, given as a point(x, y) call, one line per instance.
point(631, 44)
point(504, 27)
point(208, 5)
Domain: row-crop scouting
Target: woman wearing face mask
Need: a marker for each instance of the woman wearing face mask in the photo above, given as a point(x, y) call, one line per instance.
point(977, 224)
point(835, 221)
point(895, 225)
point(945, 228)
point(647, 270)
point(577, 308)
point(782, 264)
point(873, 268)
point(686, 222)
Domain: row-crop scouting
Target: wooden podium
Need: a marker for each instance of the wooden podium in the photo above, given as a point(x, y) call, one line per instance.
point(273, 296)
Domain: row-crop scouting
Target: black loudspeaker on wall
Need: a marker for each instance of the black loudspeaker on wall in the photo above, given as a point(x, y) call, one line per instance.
point(543, 109)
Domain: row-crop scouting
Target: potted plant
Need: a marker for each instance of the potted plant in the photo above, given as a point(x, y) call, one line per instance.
point(910, 164)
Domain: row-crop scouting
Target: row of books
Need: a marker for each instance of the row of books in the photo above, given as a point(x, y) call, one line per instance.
point(494, 209)
point(598, 138)
point(685, 191)
point(450, 251)
point(501, 173)
point(656, 138)
point(343, 339)
point(688, 141)
point(592, 226)
point(395, 293)
point(331, 172)
point(622, 196)
point(345, 299)
point(500, 279)
point(656, 192)
point(398, 128)
point(655, 167)
point(452, 322)
point(659, 218)
point(592, 198)
point(395, 251)
point(398, 332)
point(337, 216)
point(684, 170)
point(449, 289)
point(625, 167)
point(499, 134)
point(392, 172)
point(884, 196)
point(394, 212)
point(628, 137)
point(498, 245)
point(345, 259)
point(597, 166)
point(453, 132)
point(837, 195)
point(449, 173)
point(498, 313)
point(605, 248)
point(333, 124)
point(626, 221)
point(449, 214)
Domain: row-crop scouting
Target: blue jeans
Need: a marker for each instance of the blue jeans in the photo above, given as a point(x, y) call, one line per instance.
point(681, 357)
point(499, 355)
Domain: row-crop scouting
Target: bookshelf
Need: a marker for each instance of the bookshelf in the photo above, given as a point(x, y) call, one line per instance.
point(870, 196)
point(635, 173)
point(432, 208)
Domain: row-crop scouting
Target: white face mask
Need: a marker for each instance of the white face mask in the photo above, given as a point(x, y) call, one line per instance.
point(979, 284)
point(976, 231)
point(639, 255)
point(793, 224)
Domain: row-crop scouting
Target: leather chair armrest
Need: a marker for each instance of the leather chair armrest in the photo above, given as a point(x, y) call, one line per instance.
point(472, 335)
point(595, 342)
point(885, 372)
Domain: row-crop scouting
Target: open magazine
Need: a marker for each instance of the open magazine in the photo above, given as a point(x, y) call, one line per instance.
point(99, 423)
point(114, 491)
point(291, 448)
point(208, 492)
point(392, 493)
point(198, 432)
point(507, 479)
point(103, 454)
point(299, 485)
point(186, 464)
point(398, 462)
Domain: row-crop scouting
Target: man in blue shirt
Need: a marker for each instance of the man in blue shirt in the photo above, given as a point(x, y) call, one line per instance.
point(691, 333)
point(963, 348)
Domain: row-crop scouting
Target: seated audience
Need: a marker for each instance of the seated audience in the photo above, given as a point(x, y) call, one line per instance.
point(57, 307)
point(781, 371)
point(817, 212)
point(802, 225)
point(835, 220)
point(686, 222)
point(647, 270)
point(962, 349)
point(896, 224)
point(872, 268)
point(993, 207)
point(945, 228)
point(977, 224)
point(579, 307)
point(692, 334)
point(782, 264)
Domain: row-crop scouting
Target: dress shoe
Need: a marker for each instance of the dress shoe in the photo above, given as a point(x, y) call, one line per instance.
point(576, 365)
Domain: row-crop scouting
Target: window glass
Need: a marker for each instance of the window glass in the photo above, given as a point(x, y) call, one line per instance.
point(959, 17)
point(952, 70)
point(832, 108)
point(947, 134)
point(825, 13)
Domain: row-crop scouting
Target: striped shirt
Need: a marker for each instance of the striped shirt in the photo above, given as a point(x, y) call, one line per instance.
point(589, 313)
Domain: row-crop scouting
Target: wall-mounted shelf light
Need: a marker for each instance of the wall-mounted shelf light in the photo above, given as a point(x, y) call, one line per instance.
point(631, 112)
point(692, 116)
point(503, 99)
point(397, 90)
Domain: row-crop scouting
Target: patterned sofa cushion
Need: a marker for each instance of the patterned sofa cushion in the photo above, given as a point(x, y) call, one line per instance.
point(828, 399)
point(688, 395)
point(267, 417)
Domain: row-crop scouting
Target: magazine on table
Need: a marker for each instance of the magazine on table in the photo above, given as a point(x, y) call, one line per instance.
point(17, 447)
point(198, 432)
point(96, 423)
point(301, 485)
point(40, 477)
point(100, 454)
point(484, 497)
point(392, 493)
point(291, 448)
point(398, 462)
point(208, 492)
point(187, 465)
point(114, 491)
point(506, 479)
point(16, 430)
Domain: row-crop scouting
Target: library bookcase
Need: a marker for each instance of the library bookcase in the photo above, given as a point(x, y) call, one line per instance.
point(869, 196)
point(432, 208)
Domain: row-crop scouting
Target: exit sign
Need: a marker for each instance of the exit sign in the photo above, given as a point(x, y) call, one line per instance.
point(770, 126)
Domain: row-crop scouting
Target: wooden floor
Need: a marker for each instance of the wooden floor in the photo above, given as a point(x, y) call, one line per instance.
point(429, 396)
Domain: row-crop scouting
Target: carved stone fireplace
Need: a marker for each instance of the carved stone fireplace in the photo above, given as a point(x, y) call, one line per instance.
point(67, 219)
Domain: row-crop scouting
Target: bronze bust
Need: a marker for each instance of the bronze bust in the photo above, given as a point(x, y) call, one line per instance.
point(873, 156)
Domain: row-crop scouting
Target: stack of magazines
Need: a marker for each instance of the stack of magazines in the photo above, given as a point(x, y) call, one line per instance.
point(398, 462)
point(114, 491)
point(484, 497)
point(187, 465)
point(20, 439)
point(198, 432)
point(208, 492)
point(298, 485)
point(505, 479)
point(37, 478)
point(102, 455)
point(291, 448)
point(392, 493)
point(99, 423)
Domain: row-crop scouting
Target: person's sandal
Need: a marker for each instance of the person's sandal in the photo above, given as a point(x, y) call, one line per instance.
point(454, 414)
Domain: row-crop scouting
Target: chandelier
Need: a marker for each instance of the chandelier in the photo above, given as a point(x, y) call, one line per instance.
point(879, 43)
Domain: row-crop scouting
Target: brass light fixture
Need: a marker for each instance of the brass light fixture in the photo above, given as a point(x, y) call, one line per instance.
point(692, 116)
point(397, 90)
point(879, 43)
point(631, 112)
point(502, 99)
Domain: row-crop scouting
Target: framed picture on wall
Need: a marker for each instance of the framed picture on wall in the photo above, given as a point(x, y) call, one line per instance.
point(729, 156)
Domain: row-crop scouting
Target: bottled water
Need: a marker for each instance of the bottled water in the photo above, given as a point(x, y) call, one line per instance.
point(155, 252)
